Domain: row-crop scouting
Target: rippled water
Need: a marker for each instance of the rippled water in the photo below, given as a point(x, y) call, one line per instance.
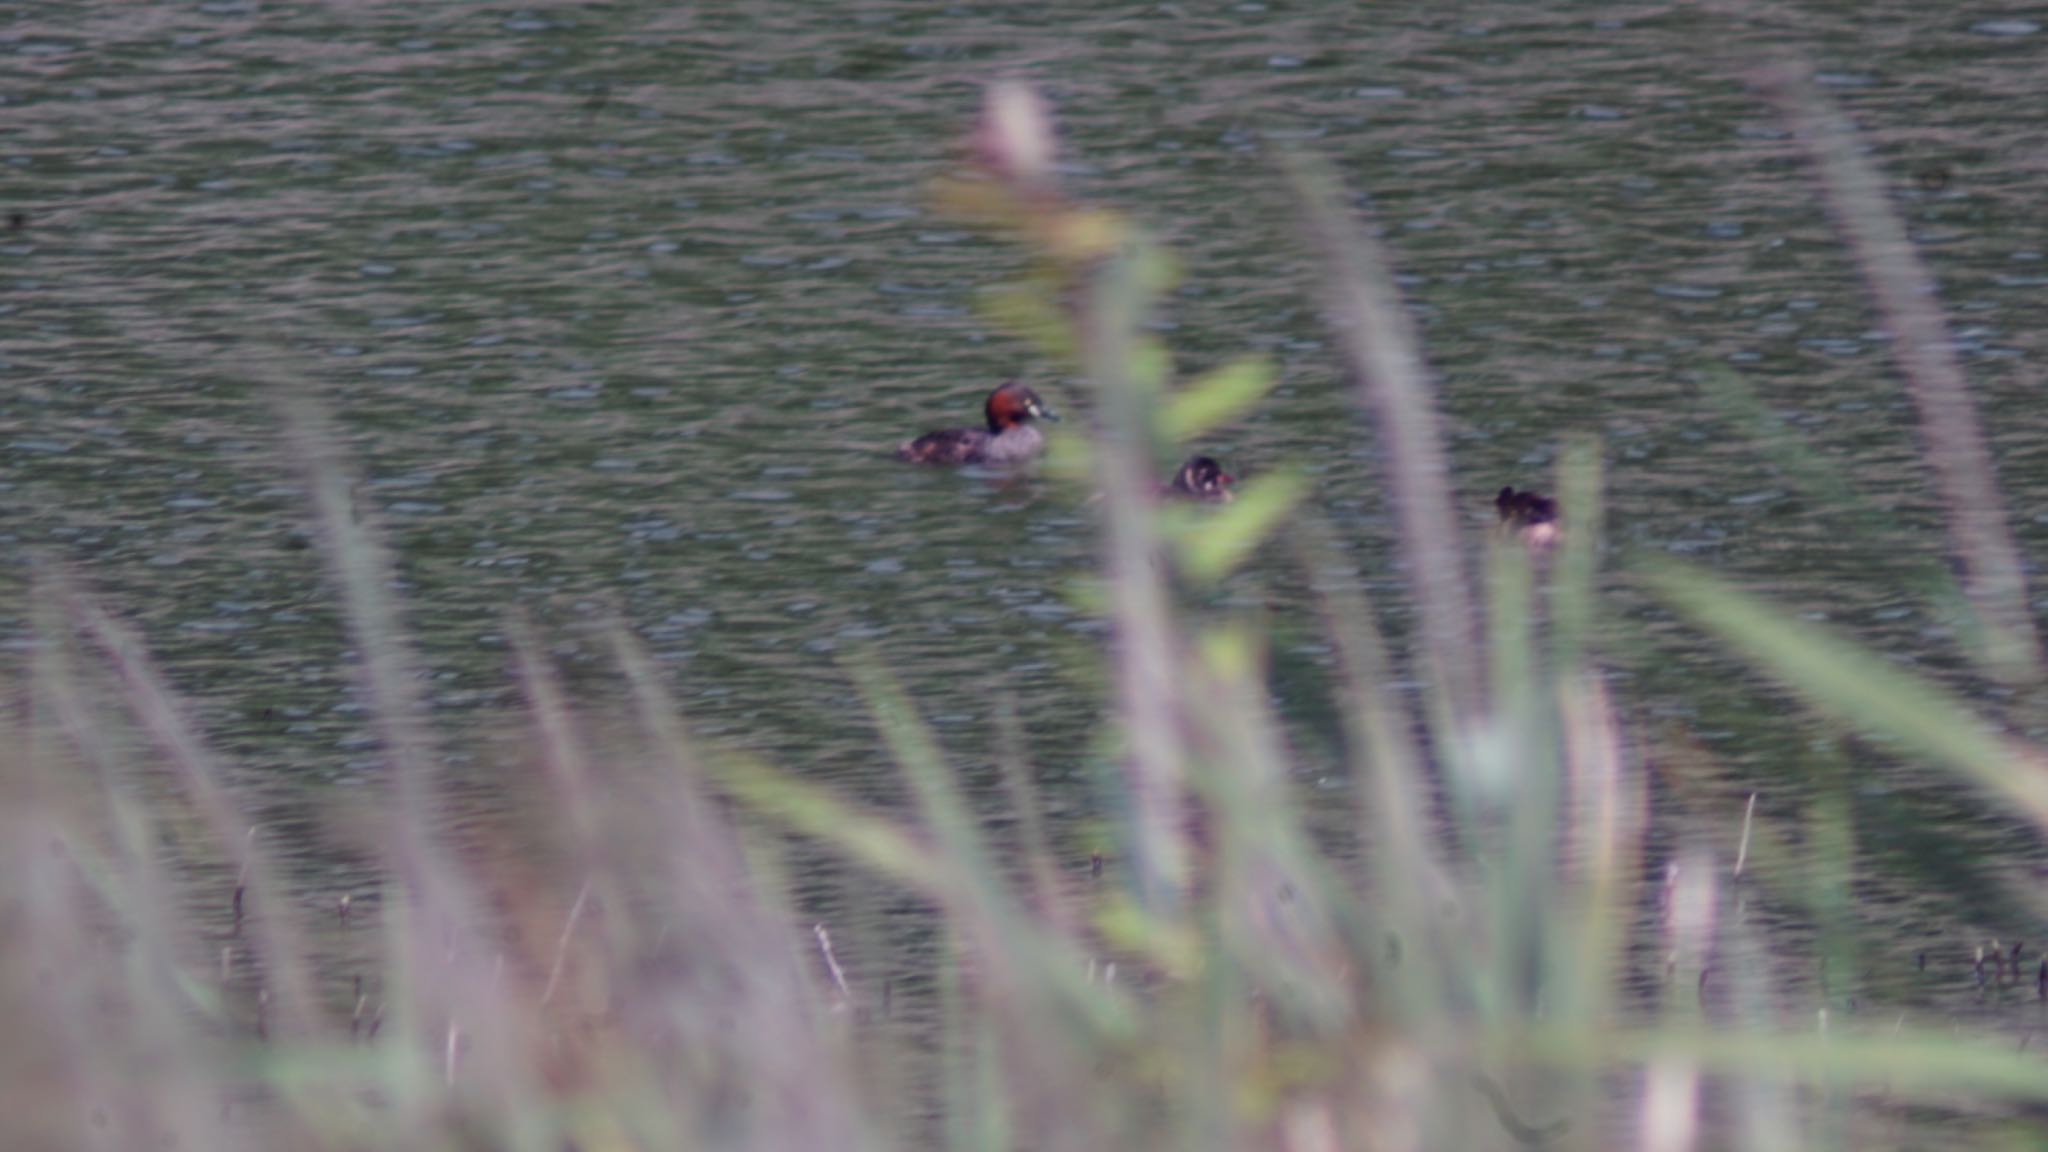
point(623, 305)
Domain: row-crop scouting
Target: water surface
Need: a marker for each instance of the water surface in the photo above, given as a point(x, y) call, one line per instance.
point(623, 305)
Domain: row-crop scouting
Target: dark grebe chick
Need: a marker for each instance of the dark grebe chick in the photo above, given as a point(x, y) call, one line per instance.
point(1528, 515)
point(1008, 439)
point(1202, 479)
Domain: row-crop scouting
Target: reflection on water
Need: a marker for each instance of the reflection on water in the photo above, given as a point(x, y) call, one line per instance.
point(625, 306)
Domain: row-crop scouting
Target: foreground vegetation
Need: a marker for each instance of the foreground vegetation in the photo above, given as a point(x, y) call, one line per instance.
point(1501, 963)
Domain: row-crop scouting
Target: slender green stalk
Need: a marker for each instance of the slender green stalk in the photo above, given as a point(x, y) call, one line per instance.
point(1383, 356)
point(1147, 699)
point(269, 915)
point(1904, 292)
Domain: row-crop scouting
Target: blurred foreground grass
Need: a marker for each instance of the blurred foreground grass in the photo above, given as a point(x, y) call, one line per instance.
point(1501, 963)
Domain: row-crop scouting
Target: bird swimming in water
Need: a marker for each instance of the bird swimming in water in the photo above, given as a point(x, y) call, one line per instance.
point(1528, 516)
point(1201, 479)
point(1009, 438)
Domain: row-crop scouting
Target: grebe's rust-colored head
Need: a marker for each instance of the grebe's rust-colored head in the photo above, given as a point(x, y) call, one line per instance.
point(1012, 404)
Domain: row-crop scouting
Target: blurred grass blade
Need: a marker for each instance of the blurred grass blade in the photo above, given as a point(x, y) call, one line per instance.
point(1219, 539)
point(1574, 587)
point(1899, 1059)
point(733, 943)
point(270, 913)
point(1269, 884)
point(1905, 295)
point(1143, 657)
point(1864, 691)
point(1383, 355)
point(1172, 947)
point(134, 881)
point(1852, 513)
point(1603, 852)
point(1514, 784)
point(1009, 943)
point(597, 859)
point(560, 751)
point(999, 928)
point(1029, 310)
point(873, 840)
point(1404, 873)
point(405, 1069)
point(86, 1036)
point(1767, 1106)
point(1511, 665)
point(961, 852)
point(1149, 366)
point(1215, 398)
point(1047, 892)
point(361, 567)
point(993, 1131)
point(462, 1014)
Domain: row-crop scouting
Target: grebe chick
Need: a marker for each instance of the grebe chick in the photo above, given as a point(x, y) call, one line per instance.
point(1528, 515)
point(1201, 479)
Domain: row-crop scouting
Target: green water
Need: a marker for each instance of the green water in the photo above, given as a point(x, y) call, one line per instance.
point(623, 305)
